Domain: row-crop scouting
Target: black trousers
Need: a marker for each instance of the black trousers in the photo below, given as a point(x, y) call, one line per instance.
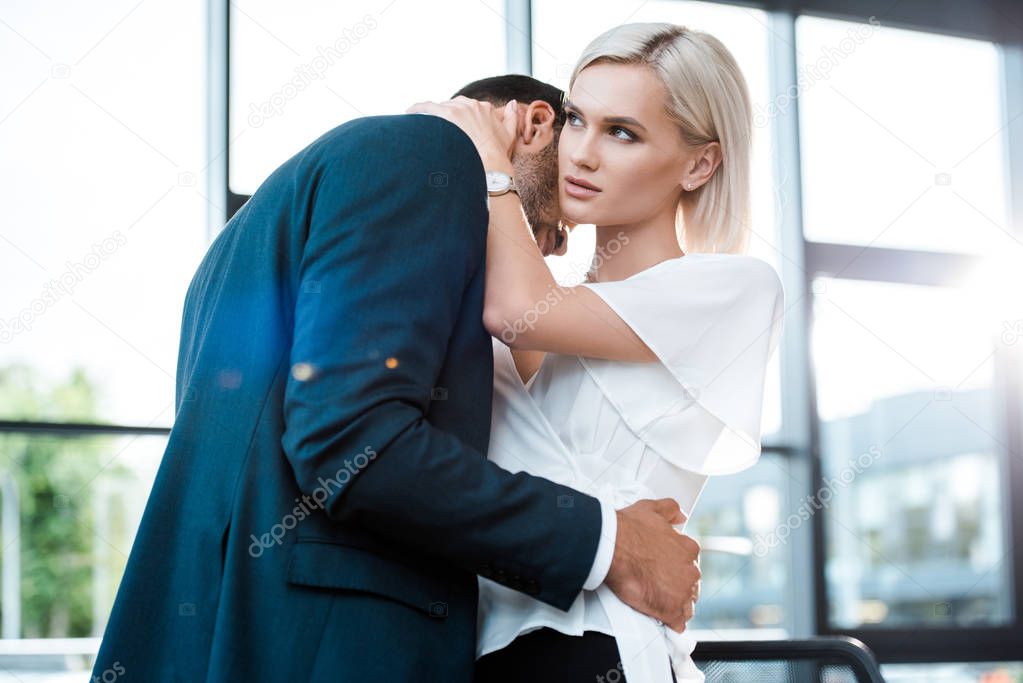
point(549, 655)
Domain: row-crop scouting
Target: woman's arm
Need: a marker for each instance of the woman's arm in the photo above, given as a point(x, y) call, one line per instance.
point(524, 305)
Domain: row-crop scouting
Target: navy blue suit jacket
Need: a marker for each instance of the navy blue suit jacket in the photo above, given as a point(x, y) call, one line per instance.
point(324, 503)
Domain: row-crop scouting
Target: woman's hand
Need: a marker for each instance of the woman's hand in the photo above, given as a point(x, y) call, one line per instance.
point(492, 130)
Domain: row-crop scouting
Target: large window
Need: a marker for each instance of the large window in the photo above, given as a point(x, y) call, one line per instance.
point(102, 127)
point(902, 139)
point(297, 74)
point(744, 563)
point(911, 257)
point(891, 486)
point(70, 507)
point(103, 151)
point(912, 456)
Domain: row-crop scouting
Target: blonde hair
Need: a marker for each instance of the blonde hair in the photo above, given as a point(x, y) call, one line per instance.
point(709, 100)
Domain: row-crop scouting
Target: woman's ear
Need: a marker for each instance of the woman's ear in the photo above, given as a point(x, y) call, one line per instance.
point(706, 162)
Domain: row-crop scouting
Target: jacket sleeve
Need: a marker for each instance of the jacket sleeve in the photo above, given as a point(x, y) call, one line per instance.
point(397, 230)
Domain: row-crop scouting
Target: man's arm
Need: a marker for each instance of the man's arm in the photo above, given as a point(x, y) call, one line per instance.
point(391, 248)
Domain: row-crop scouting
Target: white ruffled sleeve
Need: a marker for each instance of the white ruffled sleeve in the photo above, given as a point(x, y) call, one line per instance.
point(714, 321)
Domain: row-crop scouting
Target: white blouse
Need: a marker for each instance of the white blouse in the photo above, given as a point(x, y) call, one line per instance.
point(624, 431)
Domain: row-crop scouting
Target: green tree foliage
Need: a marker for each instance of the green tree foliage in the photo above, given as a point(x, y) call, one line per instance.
point(56, 478)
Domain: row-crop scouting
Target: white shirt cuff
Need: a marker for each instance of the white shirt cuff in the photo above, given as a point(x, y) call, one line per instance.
point(606, 547)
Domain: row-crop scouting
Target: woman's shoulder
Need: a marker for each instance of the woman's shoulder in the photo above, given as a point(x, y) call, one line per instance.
point(751, 267)
point(694, 273)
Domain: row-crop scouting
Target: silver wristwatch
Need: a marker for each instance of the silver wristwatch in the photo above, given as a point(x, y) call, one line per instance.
point(499, 182)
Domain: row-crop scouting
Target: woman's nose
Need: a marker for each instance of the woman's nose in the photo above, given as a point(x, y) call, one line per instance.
point(584, 154)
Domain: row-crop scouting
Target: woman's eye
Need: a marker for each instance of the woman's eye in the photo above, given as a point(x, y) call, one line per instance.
point(616, 131)
point(628, 135)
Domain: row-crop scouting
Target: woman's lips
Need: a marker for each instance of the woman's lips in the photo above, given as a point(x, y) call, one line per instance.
point(578, 191)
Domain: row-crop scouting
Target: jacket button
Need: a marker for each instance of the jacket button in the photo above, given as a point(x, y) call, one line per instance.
point(438, 609)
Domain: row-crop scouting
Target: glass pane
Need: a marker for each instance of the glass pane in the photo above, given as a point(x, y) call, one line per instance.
point(743, 582)
point(298, 71)
point(70, 508)
point(966, 672)
point(911, 443)
point(902, 138)
point(102, 130)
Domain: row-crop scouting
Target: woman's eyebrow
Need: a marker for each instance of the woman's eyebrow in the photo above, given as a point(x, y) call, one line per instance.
point(609, 119)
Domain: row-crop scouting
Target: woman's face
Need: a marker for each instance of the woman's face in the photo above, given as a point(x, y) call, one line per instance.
point(637, 165)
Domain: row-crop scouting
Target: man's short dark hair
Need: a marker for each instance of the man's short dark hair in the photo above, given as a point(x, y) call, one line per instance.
point(499, 90)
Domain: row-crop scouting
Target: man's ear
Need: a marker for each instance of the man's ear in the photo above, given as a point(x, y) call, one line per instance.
point(538, 131)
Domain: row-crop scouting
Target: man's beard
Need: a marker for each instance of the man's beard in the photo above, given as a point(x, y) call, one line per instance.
point(537, 180)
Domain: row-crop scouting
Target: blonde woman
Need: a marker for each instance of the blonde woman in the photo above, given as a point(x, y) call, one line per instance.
point(648, 377)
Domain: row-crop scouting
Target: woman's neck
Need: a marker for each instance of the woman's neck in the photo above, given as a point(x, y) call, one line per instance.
point(624, 250)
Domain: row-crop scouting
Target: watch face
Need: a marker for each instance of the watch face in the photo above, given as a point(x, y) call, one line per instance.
point(497, 181)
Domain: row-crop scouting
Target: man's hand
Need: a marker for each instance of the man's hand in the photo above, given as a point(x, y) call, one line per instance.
point(655, 570)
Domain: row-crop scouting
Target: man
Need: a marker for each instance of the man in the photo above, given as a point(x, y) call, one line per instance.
point(324, 504)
